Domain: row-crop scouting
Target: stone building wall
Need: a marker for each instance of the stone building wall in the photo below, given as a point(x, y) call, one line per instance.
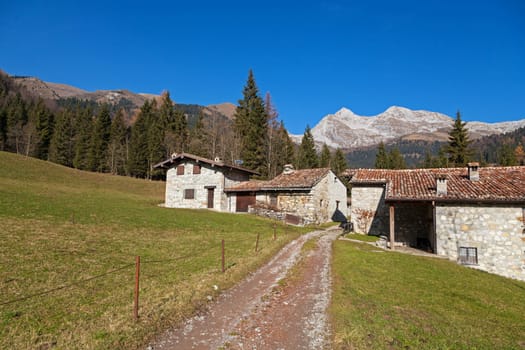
point(208, 177)
point(369, 213)
point(496, 231)
point(329, 198)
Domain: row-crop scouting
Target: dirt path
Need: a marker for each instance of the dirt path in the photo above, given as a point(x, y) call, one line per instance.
point(260, 314)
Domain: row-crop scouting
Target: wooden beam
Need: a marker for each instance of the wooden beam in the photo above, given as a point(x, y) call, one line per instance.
point(392, 217)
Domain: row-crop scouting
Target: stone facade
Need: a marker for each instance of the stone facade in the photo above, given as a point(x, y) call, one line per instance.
point(211, 178)
point(326, 201)
point(369, 213)
point(496, 231)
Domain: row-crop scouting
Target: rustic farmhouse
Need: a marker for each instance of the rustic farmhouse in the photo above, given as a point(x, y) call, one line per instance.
point(297, 196)
point(195, 182)
point(303, 196)
point(473, 215)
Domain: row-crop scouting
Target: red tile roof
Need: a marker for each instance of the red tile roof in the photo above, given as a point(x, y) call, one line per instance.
point(297, 180)
point(495, 184)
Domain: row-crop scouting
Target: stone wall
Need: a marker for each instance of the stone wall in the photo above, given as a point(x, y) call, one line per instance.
point(496, 231)
point(369, 214)
point(209, 177)
point(329, 198)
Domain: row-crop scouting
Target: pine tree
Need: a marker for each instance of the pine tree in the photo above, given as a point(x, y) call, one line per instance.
point(44, 126)
point(307, 156)
point(339, 163)
point(395, 159)
point(251, 127)
point(458, 143)
point(61, 150)
point(98, 155)
point(325, 158)
point(138, 165)
point(506, 156)
point(199, 137)
point(84, 125)
point(381, 157)
point(118, 144)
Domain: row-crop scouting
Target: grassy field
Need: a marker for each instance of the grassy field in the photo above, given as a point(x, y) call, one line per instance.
point(388, 300)
point(68, 244)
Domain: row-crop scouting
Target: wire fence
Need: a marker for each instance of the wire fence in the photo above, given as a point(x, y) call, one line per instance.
point(217, 248)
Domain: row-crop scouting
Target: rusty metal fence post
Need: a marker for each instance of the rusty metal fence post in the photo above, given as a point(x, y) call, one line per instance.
point(222, 243)
point(136, 301)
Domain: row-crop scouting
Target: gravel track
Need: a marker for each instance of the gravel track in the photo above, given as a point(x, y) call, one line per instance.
point(260, 314)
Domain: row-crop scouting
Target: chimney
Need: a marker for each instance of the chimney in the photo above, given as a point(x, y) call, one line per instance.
point(441, 184)
point(473, 171)
point(288, 169)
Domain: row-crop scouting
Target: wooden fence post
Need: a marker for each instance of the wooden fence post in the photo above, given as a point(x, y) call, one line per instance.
point(223, 269)
point(136, 301)
point(257, 243)
point(274, 231)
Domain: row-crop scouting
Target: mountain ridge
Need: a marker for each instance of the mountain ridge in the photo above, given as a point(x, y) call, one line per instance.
point(347, 130)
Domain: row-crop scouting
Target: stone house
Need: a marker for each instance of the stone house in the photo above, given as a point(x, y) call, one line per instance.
point(303, 196)
point(197, 183)
point(473, 215)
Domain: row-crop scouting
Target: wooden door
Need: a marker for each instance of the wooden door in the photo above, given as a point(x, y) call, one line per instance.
point(243, 201)
point(211, 193)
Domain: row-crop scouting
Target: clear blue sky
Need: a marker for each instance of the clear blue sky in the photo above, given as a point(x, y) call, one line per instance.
point(313, 57)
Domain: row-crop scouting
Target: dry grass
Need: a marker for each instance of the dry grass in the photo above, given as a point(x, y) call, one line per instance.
point(60, 226)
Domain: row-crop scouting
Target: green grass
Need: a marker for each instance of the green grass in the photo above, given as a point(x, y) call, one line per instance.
point(388, 300)
point(361, 237)
point(60, 226)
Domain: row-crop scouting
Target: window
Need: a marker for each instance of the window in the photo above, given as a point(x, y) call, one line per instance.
point(189, 193)
point(180, 170)
point(468, 255)
point(196, 169)
point(273, 200)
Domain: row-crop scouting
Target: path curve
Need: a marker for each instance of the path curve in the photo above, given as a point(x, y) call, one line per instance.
point(258, 314)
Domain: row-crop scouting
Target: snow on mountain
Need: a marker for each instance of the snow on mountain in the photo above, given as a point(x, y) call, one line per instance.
point(345, 129)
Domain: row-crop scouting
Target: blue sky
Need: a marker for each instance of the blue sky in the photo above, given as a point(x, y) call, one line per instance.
point(313, 57)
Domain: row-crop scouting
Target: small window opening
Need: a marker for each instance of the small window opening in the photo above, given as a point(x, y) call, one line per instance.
point(189, 193)
point(196, 169)
point(180, 170)
point(468, 255)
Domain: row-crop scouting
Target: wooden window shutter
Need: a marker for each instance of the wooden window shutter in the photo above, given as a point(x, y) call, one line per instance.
point(189, 193)
point(180, 170)
point(196, 169)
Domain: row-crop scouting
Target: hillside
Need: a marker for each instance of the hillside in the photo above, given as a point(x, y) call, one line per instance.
point(69, 241)
point(130, 101)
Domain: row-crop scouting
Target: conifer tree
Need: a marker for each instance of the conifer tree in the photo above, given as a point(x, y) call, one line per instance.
point(62, 150)
point(273, 140)
point(458, 143)
point(138, 165)
point(44, 126)
point(251, 127)
point(339, 163)
point(381, 157)
point(84, 129)
point(118, 144)
point(98, 155)
point(506, 156)
point(307, 156)
point(198, 138)
point(395, 159)
point(325, 158)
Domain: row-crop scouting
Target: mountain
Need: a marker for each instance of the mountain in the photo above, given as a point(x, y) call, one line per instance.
point(130, 101)
point(347, 130)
